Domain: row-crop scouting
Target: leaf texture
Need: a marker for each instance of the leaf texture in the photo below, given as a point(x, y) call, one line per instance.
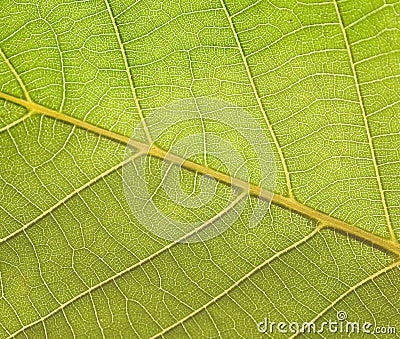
point(89, 87)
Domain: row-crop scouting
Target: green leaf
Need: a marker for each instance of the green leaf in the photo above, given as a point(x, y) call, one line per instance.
point(190, 169)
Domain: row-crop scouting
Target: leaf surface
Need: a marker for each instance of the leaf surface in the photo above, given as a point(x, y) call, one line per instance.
point(87, 87)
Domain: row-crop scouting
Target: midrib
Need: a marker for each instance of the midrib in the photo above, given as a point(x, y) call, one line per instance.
point(291, 203)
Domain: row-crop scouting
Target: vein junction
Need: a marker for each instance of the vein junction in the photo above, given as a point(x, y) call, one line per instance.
point(324, 220)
